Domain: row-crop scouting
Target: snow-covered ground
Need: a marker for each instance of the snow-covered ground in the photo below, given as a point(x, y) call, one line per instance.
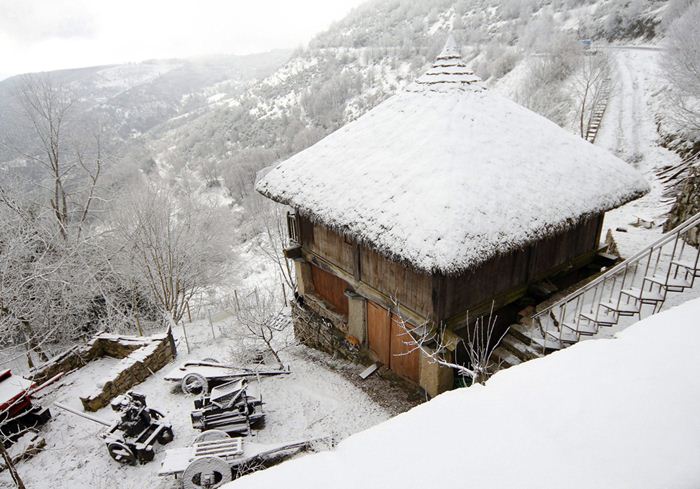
point(629, 131)
point(616, 413)
point(316, 400)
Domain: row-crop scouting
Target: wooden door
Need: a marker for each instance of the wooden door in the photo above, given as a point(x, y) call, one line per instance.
point(378, 332)
point(405, 357)
point(331, 289)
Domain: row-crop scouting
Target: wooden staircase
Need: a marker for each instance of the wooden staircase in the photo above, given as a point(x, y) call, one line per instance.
point(639, 284)
point(598, 111)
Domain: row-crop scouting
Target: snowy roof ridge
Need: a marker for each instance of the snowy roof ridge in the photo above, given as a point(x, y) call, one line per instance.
point(449, 72)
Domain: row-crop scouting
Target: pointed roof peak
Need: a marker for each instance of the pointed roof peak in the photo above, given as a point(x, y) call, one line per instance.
point(448, 72)
point(451, 50)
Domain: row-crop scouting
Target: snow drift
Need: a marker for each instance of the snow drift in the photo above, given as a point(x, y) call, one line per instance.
point(611, 413)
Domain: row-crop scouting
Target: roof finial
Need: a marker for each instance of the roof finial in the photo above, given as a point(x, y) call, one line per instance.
point(450, 51)
point(448, 72)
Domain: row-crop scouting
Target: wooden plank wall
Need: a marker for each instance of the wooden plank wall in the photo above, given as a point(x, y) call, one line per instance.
point(331, 289)
point(507, 272)
point(328, 244)
point(378, 331)
point(405, 359)
point(409, 288)
point(412, 289)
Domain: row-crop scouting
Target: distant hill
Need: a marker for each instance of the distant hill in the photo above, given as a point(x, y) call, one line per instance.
point(217, 121)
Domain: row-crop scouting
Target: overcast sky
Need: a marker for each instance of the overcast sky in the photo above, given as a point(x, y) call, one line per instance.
point(42, 35)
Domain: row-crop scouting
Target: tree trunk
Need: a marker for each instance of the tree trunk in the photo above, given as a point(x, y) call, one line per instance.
point(11, 468)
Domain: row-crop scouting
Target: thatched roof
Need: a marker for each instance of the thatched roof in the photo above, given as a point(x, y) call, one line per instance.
point(446, 174)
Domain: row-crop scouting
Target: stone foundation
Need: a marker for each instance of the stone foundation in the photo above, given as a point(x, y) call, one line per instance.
point(319, 328)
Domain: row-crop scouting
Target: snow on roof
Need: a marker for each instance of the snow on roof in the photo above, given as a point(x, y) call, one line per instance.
point(446, 174)
point(596, 415)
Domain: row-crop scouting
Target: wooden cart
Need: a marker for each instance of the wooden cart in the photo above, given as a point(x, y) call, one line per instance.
point(199, 377)
point(215, 459)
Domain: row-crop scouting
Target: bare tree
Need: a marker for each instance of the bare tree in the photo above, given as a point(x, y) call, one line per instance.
point(437, 342)
point(681, 63)
point(590, 77)
point(173, 245)
point(270, 221)
point(73, 170)
point(262, 317)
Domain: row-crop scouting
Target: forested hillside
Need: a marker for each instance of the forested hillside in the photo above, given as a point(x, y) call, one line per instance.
point(168, 150)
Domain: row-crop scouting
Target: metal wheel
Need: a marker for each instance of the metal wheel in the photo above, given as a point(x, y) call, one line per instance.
point(206, 473)
point(211, 435)
point(194, 384)
point(121, 453)
point(166, 436)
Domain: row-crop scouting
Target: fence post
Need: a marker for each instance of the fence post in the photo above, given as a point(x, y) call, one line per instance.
point(211, 324)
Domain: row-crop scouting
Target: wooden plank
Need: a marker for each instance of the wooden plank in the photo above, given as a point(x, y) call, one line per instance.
point(378, 332)
point(369, 371)
point(331, 289)
point(405, 358)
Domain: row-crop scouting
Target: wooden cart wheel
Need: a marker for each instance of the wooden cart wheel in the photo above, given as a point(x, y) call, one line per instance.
point(194, 384)
point(121, 453)
point(206, 473)
point(211, 435)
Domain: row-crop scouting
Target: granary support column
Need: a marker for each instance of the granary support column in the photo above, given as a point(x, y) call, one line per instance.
point(434, 378)
point(357, 318)
point(302, 270)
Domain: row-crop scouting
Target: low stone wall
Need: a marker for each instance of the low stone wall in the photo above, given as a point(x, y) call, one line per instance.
point(141, 360)
point(687, 204)
point(319, 328)
point(141, 357)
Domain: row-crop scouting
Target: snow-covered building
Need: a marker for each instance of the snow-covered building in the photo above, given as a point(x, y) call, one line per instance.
point(443, 199)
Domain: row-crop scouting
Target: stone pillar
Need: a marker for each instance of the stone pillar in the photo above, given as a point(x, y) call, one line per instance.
point(434, 378)
point(357, 323)
point(305, 283)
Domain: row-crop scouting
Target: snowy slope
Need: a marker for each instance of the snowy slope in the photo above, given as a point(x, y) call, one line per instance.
point(618, 413)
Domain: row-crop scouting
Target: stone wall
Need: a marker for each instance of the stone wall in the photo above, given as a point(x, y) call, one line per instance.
point(139, 363)
point(319, 328)
point(141, 357)
point(687, 204)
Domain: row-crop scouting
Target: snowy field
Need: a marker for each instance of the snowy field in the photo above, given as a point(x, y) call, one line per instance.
point(617, 413)
point(316, 400)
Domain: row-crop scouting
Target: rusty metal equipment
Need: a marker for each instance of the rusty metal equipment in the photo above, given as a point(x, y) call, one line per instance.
point(133, 437)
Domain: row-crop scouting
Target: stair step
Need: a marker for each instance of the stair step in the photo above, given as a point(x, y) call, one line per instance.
point(505, 358)
point(565, 335)
point(622, 308)
point(583, 327)
point(518, 348)
point(688, 265)
point(526, 335)
point(672, 282)
point(644, 295)
point(549, 344)
point(603, 318)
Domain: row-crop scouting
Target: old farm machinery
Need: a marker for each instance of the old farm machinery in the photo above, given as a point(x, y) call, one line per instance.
point(215, 459)
point(199, 377)
point(229, 408)
point(133, 437)
point(18, 412)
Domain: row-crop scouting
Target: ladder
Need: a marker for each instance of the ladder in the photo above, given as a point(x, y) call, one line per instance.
point(669, 265)
point(598, 111)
